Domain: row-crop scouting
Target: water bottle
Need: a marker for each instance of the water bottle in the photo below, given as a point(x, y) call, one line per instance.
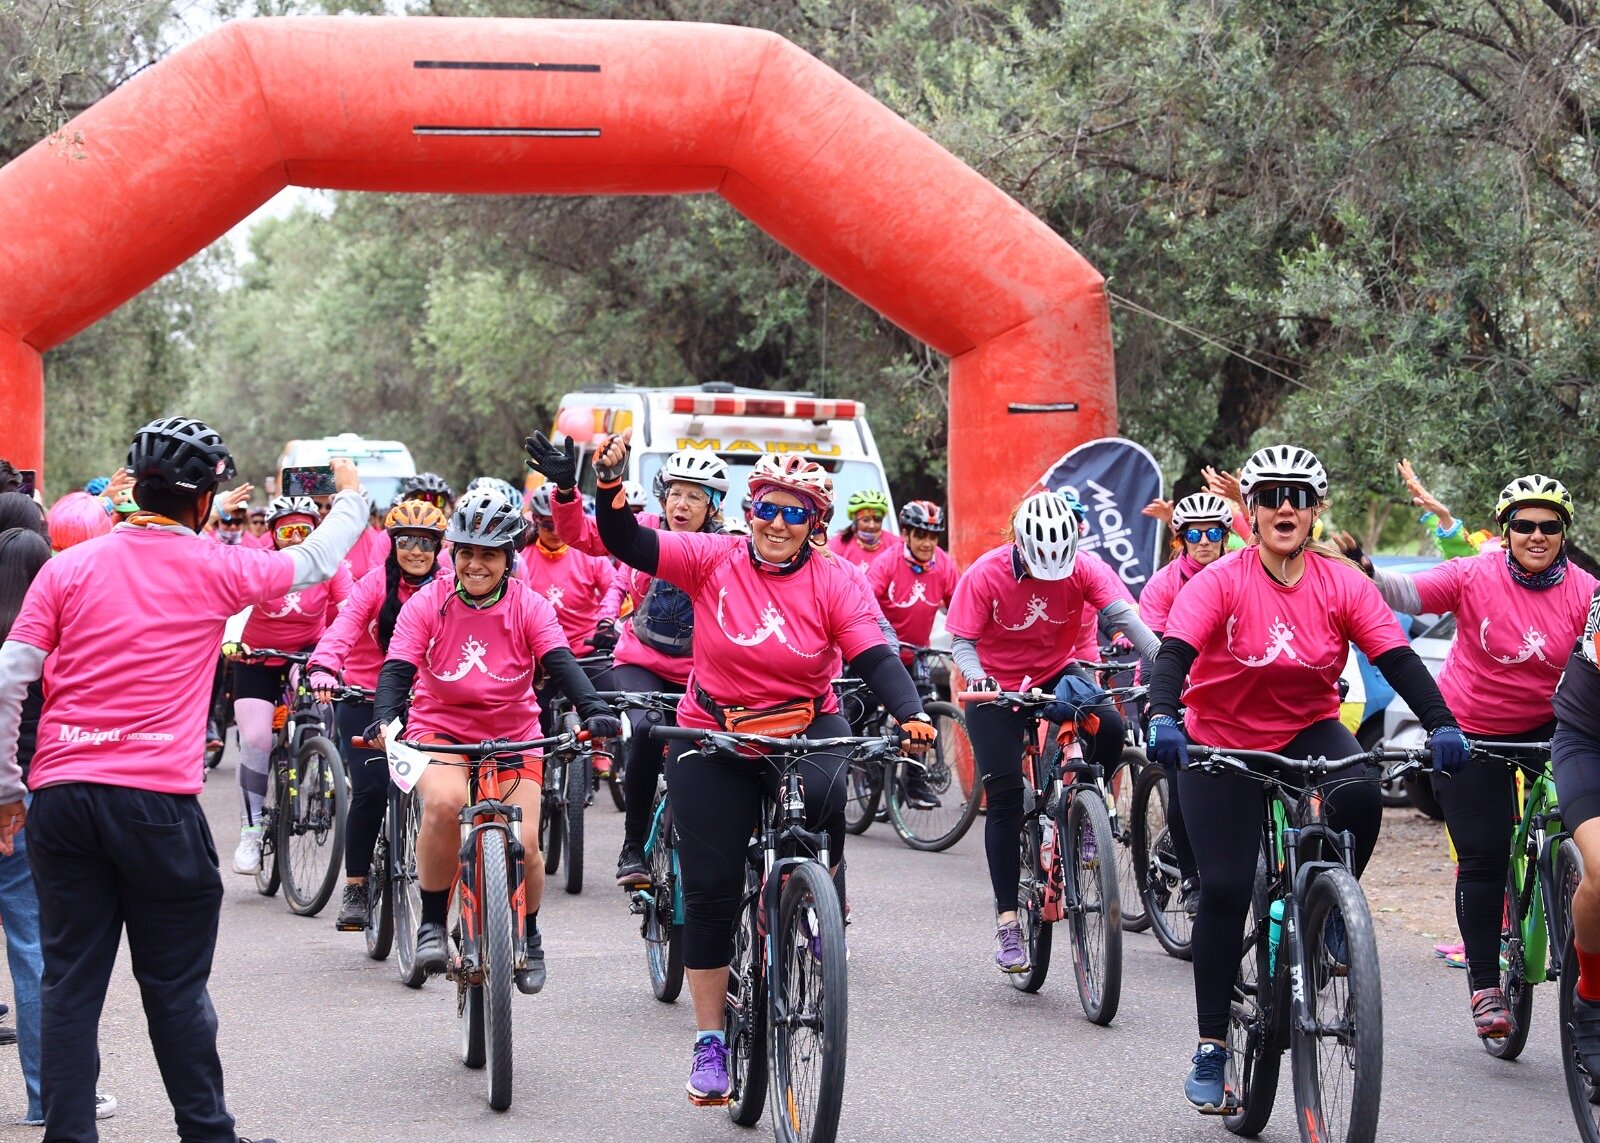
point(1047, 845)
point(1274, 931)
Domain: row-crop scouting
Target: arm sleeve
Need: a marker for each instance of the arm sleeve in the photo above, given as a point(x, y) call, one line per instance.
point(1171, 668)
point(318, 558)
point(1399, 590)
point(965, 653)
point(883, 671)
point(1123, 617)
point(394, 684)
point(890, 639)
point(633, 545)
point(1409, 677)
point(574, 526)
point(564, 671)
point(21, 664)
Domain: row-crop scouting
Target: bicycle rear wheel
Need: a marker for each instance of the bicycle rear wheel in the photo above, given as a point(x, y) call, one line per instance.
point(498, 955)
point(863, 787)
point(268, 875)
point(947, 773)
point(405, 816)
point(616, 776)
point(579, 772)
point(1337, 1056)
point(1030, 911)
point(1120, 786)
point(1088, 861)
point(1514, 976)
point(1583, 1089)
point(311, 827)
point(552, 815)
point(809, 1009)
point(663, 934)
point(378, 925)
point(1256, 1027)
point(745, 1014)
point(1155, 864)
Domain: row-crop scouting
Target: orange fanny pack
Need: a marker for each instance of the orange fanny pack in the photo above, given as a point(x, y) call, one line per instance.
point(783, 721)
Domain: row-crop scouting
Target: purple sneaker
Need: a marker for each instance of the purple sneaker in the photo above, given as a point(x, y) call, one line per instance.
point(708, 1079)
point(1012, 955)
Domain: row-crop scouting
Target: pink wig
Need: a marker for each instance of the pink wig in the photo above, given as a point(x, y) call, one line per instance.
point(77, 517)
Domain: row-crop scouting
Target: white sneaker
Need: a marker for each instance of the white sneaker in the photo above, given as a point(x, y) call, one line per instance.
point(247, 858)
point(105, 1106)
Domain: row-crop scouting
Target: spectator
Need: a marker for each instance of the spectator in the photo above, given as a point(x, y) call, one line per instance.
point(10, 478)
point(1448, 533)
point(77, 517)
point(19, 511)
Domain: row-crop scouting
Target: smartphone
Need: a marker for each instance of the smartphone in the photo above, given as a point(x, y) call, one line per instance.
point(315, 481)
point(30, 480)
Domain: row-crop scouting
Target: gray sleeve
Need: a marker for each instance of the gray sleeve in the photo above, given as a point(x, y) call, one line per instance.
point(21, 664)
point(1120, 614)
point(1399, 591)
point(965, 653)
point(318, 558)
point(889, 636)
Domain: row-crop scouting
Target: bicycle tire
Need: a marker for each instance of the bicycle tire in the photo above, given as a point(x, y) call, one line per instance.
point(811, 992)
point(1352, 1055)
point(1256, 1028)
point(663, 934)
point(1094, 912)
point(469, 997)
point(406, 815)
point(1514, 976)
point(268, 875)
point(311, 832)
point(552, 828)
point(1036, 935)
point(579, 772)
point(955, 786)
point(378, 924)
point(1583, 1090)
point(744, 1021)
point(616, 779)
point(863, 788)
point(1120, 786)
point(1155, 865)
point(498, 954)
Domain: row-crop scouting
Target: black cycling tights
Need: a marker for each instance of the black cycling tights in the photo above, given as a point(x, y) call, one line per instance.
point(1479, 805)
point(997, 735)
point(369, 788)
point(645, 753)
point(1223, 813)
point(716, 803)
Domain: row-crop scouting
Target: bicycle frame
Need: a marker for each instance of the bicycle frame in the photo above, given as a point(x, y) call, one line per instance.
point(487, 810)
point(1537, 837)
point(657, 836)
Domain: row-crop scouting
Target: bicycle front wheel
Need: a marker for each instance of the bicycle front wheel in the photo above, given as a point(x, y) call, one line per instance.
point(809, 1009)
point(1155, 864)
point(662, 930)
point(1337, 1054)
point(1120, 787)
point(552, 816)
point(579, 772)
point(745, 1013)
point(268, 876)
point(938, 814)
point(378, 925)
point(1583, 1089)
point(405, 816)
point(1256, 1028)
point(1514, 975)
point(863, 787)
point(311, 827)
point(498, 955)
point(1030, 910)
point(1094, 913)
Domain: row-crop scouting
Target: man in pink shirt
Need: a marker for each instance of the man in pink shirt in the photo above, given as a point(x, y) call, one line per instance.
point(116, 835)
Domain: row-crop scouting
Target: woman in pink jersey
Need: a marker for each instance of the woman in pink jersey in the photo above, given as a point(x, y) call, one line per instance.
point(350, 653)
point(1266, 631)
point(467, 651)
point(1016, 618)
point(293, 622)
point(1517, 611)
point(770, 616)
point(581, 588)
point(862, 540)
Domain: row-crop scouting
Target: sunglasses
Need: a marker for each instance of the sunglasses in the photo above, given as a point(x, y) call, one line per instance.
point(437, 499)
point(287, 532)
point(544, 523)
point(416, 544)
point(1529, 527)
point(793, 514)
point(1278, 494)
point(1213, 533)
point(229, 522)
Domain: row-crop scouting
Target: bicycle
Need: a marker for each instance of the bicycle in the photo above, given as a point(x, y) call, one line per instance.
point(786, 1011)
point(569, 789)
point(1308, 975)
point(1089, 901)
point(1122, 783)
point(1583, 1088)
point(302, 818)
point(1167, 895)
point(394, 897)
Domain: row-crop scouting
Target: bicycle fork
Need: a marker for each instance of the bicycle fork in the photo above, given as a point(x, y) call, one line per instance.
point(469, 966)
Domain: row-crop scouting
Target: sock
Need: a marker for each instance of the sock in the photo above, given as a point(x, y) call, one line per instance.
point(533, 925)
point(435, 906)
point(714, 1033)
point(1588, 975)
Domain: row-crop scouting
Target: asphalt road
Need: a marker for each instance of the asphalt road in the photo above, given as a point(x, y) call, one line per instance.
point(320, 1043)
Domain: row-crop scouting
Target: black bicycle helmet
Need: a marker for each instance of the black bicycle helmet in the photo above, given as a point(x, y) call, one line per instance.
point(179, 454)
point(426, 484)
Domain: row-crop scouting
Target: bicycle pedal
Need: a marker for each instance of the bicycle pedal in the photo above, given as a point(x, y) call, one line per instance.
point(709, 1100)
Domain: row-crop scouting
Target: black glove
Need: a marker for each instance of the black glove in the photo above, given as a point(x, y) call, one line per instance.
point(605, 636)
point(1451, 750)
point(1168, 746)
point(557, 465)
point(603, 726)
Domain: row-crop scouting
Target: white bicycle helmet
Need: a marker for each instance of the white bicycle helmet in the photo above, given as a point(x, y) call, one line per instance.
point(1535, 490)
point(1284, 464)
point(634, 491)
point(539, 501)
point(281, 506)
point(494, 484)
point(736, 527)
point(697, 467)
point(795, 474)
point(1046, 533)
point(486, 519)
point(1200, 506)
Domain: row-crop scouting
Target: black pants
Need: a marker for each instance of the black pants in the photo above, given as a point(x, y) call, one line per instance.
point(645, 754)
point(716, 805)
point(1479, 804)
point(1224, 813)
point(105, 857)
point(369, 788)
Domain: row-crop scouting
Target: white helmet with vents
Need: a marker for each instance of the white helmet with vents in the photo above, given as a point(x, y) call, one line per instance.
point(1200, 506)
point(1284, 464)
point(1046, 533)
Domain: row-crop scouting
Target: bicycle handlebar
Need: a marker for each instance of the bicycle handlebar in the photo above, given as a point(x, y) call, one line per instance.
point(641, 700)
point(1039, 698)
point(486, 749)
point(1217, 757)
point(725, 738)
point(239, 653)
point(1480, 746)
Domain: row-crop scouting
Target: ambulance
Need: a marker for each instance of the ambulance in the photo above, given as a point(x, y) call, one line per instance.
point(738, 424)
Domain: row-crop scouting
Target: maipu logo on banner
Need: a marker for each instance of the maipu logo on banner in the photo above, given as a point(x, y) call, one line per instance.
point(1114, 478)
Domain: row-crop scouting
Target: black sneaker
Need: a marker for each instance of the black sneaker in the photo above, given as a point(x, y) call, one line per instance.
point(431, 948)
point(631, 870)
point(8, 1035)
point(920, 795)
point(1189, 895)
point(1586, 1035)
point(352, 916)
point(531, 979)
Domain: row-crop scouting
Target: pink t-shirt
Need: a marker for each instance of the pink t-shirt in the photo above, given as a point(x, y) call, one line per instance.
point(1088, 648)
point(1027, 628)
point(349, 647)
point(575, 584)
point(762, 640)
point(910, 600)
point(370, 551)
point(852, 550)
point(261, 543)
point(1155, 601)
point(475, 668)
point(298, 619)
point(1270, 656)
point(133, 624)
point(1511, 643)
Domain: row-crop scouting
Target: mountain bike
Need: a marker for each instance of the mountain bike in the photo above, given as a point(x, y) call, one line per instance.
point(1066, 825)
point(786, 1014)
point(1308, 976)
point(1169, 897)
point(302, 818)
point(1121, 784)
point(1583, 1089)
point(569, 788)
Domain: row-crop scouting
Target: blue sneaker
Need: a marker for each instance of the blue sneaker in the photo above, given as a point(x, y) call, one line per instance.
point(708, 1078)
point(1206, 1089)
point(1336, 944)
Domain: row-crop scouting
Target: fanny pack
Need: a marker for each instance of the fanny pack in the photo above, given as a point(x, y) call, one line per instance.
point(783, 721)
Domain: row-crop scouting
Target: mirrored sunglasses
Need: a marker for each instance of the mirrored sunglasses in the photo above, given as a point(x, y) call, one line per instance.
point(1195, 535)
point(793, 514)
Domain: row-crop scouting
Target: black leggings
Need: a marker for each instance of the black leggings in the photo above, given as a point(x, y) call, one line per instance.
point(716, 805)
point(369, 788)
point(1479, 804)
point(1224, 813)
point(997, 743)
point(645, 753)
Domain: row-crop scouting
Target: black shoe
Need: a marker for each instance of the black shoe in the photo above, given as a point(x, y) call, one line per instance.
point(430, 948)
point(531, 979)
point(919, 795)
point(631, 870)
point(1189, 895)
point(1586, 1035)
point(262, 1139)
point(352, 916)
point(8, 1035)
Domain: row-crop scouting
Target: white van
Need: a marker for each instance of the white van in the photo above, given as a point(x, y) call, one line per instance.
point(738, 424)
point(382, 464)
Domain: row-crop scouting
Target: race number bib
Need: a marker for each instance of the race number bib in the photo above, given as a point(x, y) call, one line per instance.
point(406, 763)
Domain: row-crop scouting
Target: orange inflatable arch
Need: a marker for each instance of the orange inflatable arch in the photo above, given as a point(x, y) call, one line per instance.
point(170, 161)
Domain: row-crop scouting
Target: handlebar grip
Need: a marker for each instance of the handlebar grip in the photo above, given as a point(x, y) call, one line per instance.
point(362, 744)
point(677, 733)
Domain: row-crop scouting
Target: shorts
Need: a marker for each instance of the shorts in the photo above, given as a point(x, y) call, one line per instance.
point(260, 681)
point(521, 767)
point(1575, 757)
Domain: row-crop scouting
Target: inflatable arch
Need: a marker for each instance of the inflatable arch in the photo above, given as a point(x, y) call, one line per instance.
point(169, 162)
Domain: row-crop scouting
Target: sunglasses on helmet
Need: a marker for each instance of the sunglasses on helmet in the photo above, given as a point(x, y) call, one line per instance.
point(793, 514)
point(1214, 534)
point(1529, 527)
point(1274, 496)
